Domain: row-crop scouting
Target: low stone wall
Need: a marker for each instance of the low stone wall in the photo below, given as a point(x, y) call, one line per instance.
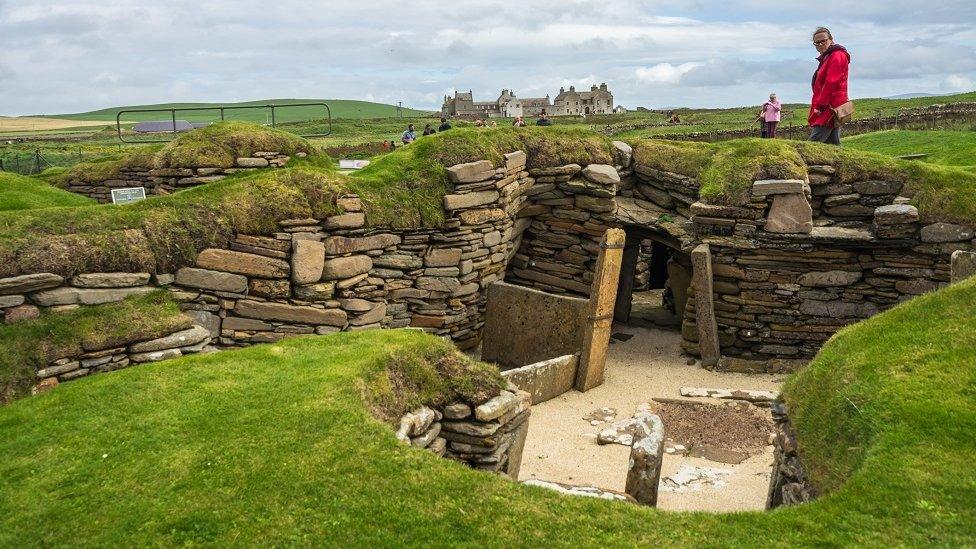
point(524, 325)
point(789, 483)
point(547, 379)
point(488, 436)
point(166, 180)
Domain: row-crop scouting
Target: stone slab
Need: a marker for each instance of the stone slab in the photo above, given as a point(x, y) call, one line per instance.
point(29, 283)
point(524, 325)
point(766, 187)
point(109, 280)
point(263, 310)
point(545, 380)
point(206, 279)
point(789, 214)
point(230, 261)
point(307, 261)
point(963, 265)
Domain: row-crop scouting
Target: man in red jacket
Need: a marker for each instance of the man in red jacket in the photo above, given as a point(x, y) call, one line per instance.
point(829, 87)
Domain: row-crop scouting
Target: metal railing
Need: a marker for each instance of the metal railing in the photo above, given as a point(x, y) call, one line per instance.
point(222, 109)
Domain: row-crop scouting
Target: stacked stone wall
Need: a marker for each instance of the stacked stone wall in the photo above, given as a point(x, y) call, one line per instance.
point(160, 181)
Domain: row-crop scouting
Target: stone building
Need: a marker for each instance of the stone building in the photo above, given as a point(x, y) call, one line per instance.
point(599, 100)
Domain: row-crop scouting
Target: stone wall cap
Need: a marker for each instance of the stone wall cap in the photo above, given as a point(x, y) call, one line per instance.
point(765, 187)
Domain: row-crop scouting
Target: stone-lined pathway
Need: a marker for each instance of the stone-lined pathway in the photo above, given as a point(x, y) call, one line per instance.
point(561, 445)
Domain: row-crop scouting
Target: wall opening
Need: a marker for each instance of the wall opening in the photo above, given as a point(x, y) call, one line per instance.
point(654, 280)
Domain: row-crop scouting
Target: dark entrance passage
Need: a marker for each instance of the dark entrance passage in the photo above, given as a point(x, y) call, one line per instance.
point(654, 280)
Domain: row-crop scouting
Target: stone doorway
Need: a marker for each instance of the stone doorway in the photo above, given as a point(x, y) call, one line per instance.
point(654, 280)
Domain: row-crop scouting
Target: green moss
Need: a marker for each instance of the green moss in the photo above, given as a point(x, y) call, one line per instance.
point(729, 176)
point(33, 344)
point(434, 375)
point(19, 192)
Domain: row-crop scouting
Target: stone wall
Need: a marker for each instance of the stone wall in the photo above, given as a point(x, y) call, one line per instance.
point(161, 181)
point(488, 436)
point(547, 379)
point(789, 483)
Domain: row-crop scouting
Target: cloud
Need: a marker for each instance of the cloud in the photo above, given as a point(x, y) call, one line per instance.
point(665, 73)
point(86, 54)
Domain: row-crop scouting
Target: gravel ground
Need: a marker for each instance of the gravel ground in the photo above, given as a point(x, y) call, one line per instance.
point(561, 444)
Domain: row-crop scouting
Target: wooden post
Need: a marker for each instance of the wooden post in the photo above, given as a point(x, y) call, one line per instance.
point(701, 261)
point(596, 337)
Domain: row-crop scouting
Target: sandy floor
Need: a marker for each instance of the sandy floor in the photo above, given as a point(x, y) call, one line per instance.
point(562, 446)
point(29, 123)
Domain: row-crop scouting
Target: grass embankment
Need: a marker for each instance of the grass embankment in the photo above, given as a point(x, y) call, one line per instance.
point(950, 148)
point(727, 169)
point(273, 445)
point(404, 189)
point(24, 193)
point(33, 344)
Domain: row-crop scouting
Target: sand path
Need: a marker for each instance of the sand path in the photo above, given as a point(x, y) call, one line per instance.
point(561, 445)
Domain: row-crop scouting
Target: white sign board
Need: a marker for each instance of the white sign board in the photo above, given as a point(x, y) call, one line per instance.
point(128, 194)
point(353, 164)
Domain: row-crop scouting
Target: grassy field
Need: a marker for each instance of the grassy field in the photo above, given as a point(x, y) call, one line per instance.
point(341, 108)
point(25, 193)
point(39, 124)
point(272, 445)
point(951, 148)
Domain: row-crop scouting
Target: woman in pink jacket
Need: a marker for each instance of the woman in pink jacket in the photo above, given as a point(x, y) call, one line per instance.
point(769, 114)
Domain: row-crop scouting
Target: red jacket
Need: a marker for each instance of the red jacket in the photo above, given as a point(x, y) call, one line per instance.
point(829, 86)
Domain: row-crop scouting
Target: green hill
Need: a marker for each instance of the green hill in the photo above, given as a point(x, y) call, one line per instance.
point(341, 108)
point(24, 193)
point(952, 148)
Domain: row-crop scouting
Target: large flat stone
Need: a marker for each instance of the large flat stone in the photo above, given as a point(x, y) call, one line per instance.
point(469, 200)
point(335, 245)
point(11, 301)
point(242, 263)
point(945, 232)
point(646, 457)
point(182, 338)
point(825, 279)
point(307, 261)
point(399, 261)
point(963, 265)
point(471, 172)
point(353, 220)
point(789, 214)
point(765, 187)
point(601, 174)
point(110, 280)
point(346, 267)
point(206, 279)
point(29, 283)
point(443, 257)
point(623, 153)
point(877, 187)
point(86, 296)
point(298, 314)
point(545, 380)
point(895, 214)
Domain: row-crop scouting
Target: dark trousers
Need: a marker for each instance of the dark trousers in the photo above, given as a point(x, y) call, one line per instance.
point(771, 129)
point(825, 134)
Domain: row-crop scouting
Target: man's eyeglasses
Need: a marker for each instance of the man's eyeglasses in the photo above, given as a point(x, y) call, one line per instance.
point(821, 42)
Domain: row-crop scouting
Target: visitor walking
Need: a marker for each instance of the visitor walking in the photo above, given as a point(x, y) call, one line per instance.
point(830, 100)
point(445, 125)
point(409, 136)
point(769, 115)
point(543, 119)
point(428, 130)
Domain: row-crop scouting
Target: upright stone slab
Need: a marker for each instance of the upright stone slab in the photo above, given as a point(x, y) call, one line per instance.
point(596, 337)
point(790, 214)
point(701, 261)
point(646, 455)
point(963, 265)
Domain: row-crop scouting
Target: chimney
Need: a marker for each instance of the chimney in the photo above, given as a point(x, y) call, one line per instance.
point(603, 86)
point(572, 89)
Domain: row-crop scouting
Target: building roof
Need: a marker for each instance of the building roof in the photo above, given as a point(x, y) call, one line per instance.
point(536, 102)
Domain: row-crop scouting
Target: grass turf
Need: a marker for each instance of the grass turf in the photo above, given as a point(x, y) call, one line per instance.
point(18, 192)
point(33, 344)
point(273, 445)
point(727, 169)
point(950, 148)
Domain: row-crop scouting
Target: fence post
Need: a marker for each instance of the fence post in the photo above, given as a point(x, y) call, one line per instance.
point(37, 161)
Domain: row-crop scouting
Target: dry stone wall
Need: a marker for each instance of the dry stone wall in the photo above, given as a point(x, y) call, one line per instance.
point(160, 181)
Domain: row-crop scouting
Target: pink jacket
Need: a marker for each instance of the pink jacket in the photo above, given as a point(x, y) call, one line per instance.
point(770, 111)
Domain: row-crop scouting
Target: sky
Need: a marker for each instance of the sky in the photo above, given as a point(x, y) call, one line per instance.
point(72, 56)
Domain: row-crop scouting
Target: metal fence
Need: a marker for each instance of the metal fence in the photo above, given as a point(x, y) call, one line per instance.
point(172, 123)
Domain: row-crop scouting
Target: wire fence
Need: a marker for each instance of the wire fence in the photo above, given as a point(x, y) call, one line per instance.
point(34, 162)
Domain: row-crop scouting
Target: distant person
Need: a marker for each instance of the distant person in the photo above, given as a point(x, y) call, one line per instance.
point(479, 123)
point(491, 124)
point(428, 130)
point(769, 116)
point(519, 122)
point(543, 119)
point(829, 87)
point(392, 144)
point(409, 136)
point(445, 125)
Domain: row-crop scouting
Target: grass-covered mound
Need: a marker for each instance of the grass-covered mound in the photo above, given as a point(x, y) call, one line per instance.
point(403, 189)
point(727, 169)
point(33, 344)
point(273, 445)
point(18, 192)
point(951, 148)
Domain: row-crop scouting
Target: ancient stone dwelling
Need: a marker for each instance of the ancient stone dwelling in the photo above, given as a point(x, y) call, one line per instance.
point(599, 100)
